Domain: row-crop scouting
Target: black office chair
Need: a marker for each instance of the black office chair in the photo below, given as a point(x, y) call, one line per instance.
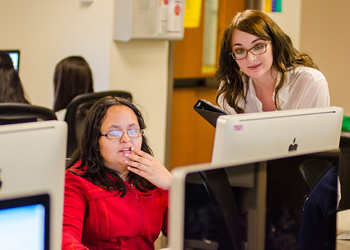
point(344, 178)
point(219, 188)
point(77, 110)
point(21, 112)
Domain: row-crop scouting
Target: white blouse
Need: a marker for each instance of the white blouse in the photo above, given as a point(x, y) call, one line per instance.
point(304, 88)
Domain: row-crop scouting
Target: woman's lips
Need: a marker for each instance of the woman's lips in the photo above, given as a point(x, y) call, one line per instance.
point(254, 67)
point(126, 150)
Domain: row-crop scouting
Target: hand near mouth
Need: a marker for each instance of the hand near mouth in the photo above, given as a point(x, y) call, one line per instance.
point(149, 168)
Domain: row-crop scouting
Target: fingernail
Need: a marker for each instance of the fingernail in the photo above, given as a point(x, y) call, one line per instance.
point(126, 155)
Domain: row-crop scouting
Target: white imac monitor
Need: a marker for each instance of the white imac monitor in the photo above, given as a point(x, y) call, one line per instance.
point(32, 162)
point(261, 136)
point(232, 202)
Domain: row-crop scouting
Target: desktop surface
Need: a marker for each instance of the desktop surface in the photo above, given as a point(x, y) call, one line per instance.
point(343, 230)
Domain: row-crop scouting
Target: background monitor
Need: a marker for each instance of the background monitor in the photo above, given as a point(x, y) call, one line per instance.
point(32, 161)
point(15, 56)
point(255, 179)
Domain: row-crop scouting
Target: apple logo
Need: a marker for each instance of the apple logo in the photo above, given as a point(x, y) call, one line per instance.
point(293, 146)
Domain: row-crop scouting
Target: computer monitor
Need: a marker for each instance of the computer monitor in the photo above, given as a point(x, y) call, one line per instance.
point(32, 161)
point(262, 136)
point(205, 212)
point(15, 56)
point(24, 222)
point(197, 206)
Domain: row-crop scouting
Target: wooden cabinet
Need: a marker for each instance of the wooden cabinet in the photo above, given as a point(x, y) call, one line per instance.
point(192, 137)
point(188, 53)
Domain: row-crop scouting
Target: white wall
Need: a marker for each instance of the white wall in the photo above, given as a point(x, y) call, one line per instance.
point(324, 35)
point(289, 19)
point(315, 26)
point(142, 68)
point(46, 31)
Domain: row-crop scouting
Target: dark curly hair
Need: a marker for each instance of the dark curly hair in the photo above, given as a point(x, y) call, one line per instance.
point(88, 149)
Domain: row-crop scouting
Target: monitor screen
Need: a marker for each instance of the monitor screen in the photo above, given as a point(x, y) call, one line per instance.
point(25, 222)
point(15, 56)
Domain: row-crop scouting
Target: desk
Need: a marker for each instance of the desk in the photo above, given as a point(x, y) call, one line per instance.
point(343, 225)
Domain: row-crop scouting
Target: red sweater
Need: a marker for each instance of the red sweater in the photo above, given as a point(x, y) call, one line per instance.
point(98, 219)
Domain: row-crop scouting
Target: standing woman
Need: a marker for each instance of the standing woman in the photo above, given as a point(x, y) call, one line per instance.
point(260, 70)
point(115, 190)
point(72, 77)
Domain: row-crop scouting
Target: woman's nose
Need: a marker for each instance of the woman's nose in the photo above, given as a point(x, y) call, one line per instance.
point(125, 137)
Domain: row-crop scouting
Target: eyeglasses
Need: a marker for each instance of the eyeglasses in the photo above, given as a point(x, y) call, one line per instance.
point(117, 134)
point(258, 49)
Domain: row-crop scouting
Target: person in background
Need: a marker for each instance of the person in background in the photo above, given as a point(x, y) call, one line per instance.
point(260, 70)
point(5, 60)
point(318, 223)
point(115, 191)
point(72, 77)
point(11, 89)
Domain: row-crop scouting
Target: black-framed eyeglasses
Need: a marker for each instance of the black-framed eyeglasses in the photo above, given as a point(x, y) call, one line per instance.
point(117, 134)
point(258, 49)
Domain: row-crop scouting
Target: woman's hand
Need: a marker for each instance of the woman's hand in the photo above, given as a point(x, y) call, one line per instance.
point(149, 168)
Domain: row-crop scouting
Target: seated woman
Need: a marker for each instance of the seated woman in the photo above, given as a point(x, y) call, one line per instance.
point(11, 89)
point(115, 191)
point(331, 194)
point(318, 225)
point(72, 77)
point(5, 60)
